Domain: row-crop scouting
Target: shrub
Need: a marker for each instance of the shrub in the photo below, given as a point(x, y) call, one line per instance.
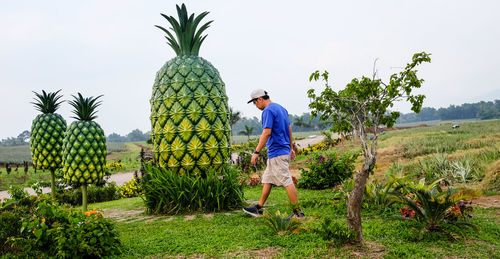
point(335, 232)
point(167, 192)
point(131, 189)
point(281, 224)
point(94, 194)
point(383, 195)
point(40, 227)
point(327, 171)
point(432, 211)
point(114, 166)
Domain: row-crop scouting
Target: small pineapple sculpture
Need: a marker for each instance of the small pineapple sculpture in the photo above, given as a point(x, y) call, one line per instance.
point(47, 134)
point(84, 146)
point(189, 110)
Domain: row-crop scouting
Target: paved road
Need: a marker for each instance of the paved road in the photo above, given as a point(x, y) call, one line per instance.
point(122, 177)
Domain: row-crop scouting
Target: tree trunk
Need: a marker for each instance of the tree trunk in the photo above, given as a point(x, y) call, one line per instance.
point(84, 198)
point(355, 201)
point(53, 183)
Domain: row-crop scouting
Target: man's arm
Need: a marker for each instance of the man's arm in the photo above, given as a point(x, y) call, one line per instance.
point(292, 152)
point(262, 142)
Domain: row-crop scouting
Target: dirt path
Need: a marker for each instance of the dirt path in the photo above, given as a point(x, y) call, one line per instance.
point(487, 201)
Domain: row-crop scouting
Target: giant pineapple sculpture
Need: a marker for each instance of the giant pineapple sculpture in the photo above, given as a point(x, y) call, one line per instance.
point(84, 146)
point(189, 110)
point(47, 133)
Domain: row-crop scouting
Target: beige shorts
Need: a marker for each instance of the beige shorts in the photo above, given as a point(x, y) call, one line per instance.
point(277, 171)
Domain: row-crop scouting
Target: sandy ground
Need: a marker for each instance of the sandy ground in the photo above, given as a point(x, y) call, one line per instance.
point(122, 177)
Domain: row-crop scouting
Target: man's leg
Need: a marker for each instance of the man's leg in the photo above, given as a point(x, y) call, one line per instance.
point(292, 193)
point(266, 190)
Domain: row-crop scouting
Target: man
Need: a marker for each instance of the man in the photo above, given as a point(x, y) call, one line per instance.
point(277, 135)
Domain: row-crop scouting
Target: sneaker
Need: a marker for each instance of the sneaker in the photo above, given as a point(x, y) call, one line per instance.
point(255, 211)
point(297, 214)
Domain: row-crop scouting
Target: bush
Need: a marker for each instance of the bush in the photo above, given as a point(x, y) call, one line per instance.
point(281, 224)
point(436, 210)
point(131, 189)
point(327, 171)
point(114, 166)
point(38, 227)
point(94, 194)
point(167, 192)
point(335, 232)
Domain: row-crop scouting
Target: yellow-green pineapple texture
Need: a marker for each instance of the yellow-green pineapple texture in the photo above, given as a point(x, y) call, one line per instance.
point(189, 110)
point(47, 132)
point(84, 144)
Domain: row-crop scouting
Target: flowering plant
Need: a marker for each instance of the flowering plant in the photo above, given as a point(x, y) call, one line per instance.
point(327, 170)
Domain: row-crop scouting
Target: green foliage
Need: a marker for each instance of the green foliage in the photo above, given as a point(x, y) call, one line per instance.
point(364, 103)
point(428, 208)
point(247, 132)
point(131, 189)
point(47, 102)
point(382, 195)
point(327, 171)
point(73, 197)
point(335, 232)
point(167, 192)
point(41, 227)
point(188, 38)
point(468, 168)
point(281, 224)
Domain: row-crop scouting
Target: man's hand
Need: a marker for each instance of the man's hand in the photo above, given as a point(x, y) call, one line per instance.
point(254, 159)
point(292, 155)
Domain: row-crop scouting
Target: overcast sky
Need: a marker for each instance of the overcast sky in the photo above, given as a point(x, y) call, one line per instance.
point(112, 47)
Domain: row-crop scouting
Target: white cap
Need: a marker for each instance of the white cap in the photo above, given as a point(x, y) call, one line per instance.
point(256, 94)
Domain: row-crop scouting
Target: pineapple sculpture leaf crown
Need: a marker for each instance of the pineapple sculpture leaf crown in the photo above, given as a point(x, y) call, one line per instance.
point(85, 108)
point(188, 39)
point(47, 102)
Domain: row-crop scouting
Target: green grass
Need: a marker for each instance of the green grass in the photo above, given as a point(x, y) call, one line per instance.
point(239, 139)
point(233, 233)
point(20, 178)
point(129, 156)
point(16, 154)
point(128, 153)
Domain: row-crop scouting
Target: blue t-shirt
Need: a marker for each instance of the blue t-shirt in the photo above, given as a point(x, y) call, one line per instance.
point(275, 117)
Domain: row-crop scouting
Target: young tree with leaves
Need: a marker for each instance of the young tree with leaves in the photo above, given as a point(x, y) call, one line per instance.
point(364, 104)
point(235, 116)
point(247, 132)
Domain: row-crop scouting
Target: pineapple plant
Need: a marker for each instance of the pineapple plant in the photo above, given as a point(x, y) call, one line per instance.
point(84, 156)
point(47, 133)
point(189, 111)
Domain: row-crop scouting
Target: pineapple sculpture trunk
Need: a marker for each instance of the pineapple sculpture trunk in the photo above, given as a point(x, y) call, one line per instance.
point(47, 133)
point(189, 110)
point(84, 147)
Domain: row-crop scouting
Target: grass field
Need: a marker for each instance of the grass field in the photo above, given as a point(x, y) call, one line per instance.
point(432, 152)
point(238, 140)
point(235, 234)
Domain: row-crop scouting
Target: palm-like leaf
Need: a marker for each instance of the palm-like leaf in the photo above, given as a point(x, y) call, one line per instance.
point(188, 38)
point(85, 108)
point(47, 102)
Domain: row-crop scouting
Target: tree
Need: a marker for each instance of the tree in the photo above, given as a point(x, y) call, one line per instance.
point(136, 135)
point(247, 132)
point(299, 122)
point(364, 104)
point(114, 137)
point(24, 136)
point(234, 116)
